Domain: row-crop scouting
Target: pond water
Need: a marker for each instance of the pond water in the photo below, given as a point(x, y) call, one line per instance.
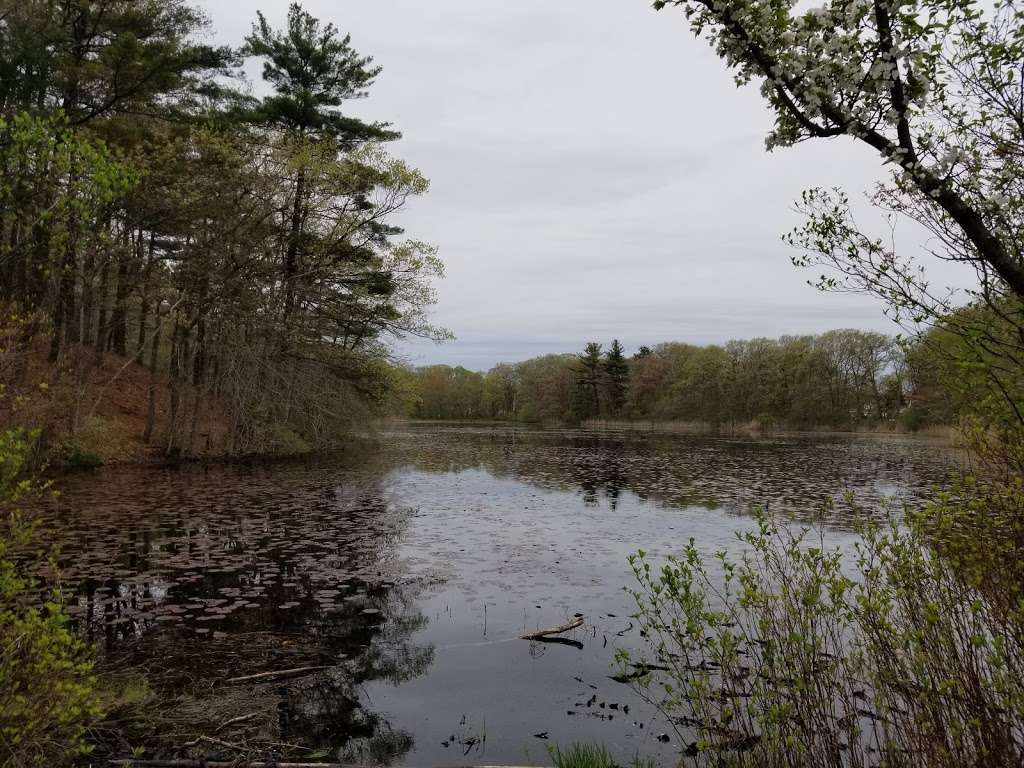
point(408, 573)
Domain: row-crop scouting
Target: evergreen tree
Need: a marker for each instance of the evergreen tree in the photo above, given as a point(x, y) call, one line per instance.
point(588, 382)
point(93, 60)
point(616, 375)
point(313, 71)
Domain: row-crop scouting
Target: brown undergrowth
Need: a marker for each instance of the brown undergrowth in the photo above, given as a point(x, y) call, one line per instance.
point(93, 409)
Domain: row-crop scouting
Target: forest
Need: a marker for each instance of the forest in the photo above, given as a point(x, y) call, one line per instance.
point(844, 379)
point(155, 214)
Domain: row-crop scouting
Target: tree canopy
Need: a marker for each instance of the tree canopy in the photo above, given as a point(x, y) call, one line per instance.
point(243, 250)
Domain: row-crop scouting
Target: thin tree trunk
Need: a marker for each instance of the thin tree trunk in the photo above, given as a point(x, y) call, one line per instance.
point(87, 306)
point(63, 307)
point(153, 351)
point(140, 344)
point(119, 318)
point(291, 259)
point(197, 403)
point(102, 329)
point(180, 359)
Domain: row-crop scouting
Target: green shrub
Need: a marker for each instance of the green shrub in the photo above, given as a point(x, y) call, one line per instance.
point(84, 460)
point(280, 439)
point(794, 654)
point(47, 689)
point(913, 419)
point(95, 442)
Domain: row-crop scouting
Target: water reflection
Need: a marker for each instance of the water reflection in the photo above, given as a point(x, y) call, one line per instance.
point(210, 574)
point(790, 475)
point(406, 576)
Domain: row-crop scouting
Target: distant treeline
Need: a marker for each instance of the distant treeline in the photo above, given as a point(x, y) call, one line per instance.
point(843, 378)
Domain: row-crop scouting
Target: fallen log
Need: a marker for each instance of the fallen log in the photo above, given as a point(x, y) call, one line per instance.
point(542, 633)
point(276, 675)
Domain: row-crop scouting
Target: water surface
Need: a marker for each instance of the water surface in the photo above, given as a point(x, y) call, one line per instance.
point(410, 571)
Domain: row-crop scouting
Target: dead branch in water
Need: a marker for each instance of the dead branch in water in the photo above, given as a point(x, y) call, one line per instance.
point(265, 676)
point(576, 622)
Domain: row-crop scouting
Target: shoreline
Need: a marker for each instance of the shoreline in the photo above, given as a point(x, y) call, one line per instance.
point(947, 435)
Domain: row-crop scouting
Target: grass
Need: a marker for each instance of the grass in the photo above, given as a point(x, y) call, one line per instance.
point(591, 756)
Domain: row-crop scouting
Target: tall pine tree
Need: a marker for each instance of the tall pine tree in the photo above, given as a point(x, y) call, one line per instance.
point(588, 382)
point(616, 375)
point(313, 71)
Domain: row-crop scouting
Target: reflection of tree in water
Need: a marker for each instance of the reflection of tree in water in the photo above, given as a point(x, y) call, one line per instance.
point(600, 467)
point(604, 480)
point(792, 475)
point(206, 576)
point(326, 711)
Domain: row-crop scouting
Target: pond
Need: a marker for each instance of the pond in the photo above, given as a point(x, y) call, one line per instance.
point(406, 575)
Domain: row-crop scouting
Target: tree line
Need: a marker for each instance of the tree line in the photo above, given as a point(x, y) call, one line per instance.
point(240, 247)
point(838, 379)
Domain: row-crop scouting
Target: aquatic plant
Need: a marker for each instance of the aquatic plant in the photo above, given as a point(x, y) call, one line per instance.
point(590, 756)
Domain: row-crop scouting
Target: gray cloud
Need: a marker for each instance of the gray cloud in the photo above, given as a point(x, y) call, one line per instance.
point(595, 173)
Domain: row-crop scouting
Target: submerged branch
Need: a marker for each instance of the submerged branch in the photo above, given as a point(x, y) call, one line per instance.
point(541, 633)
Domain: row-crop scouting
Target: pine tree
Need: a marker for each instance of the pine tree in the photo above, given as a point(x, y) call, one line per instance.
point(589, 377)
point(616, 374)
point(313, 71)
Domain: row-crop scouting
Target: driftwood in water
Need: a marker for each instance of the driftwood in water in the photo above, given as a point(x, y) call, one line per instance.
point(542, 633)
point(276, 675)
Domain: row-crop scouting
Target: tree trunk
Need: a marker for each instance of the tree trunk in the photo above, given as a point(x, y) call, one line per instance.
point(87, 306)
point(153, 351)
point(102, 328)
point(119, 318)
point(63, 306)
point(291, 259)
point(179, 364)
point(140, 344)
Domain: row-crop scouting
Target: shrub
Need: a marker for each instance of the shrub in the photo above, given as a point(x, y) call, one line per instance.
point(84, 460)
point(795, 654)
point(47, 689)
point(94, 443)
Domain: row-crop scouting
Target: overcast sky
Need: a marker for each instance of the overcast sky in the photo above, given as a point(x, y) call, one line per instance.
point(594, 174)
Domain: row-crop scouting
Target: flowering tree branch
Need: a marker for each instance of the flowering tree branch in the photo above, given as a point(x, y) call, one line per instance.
point(903, 77)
